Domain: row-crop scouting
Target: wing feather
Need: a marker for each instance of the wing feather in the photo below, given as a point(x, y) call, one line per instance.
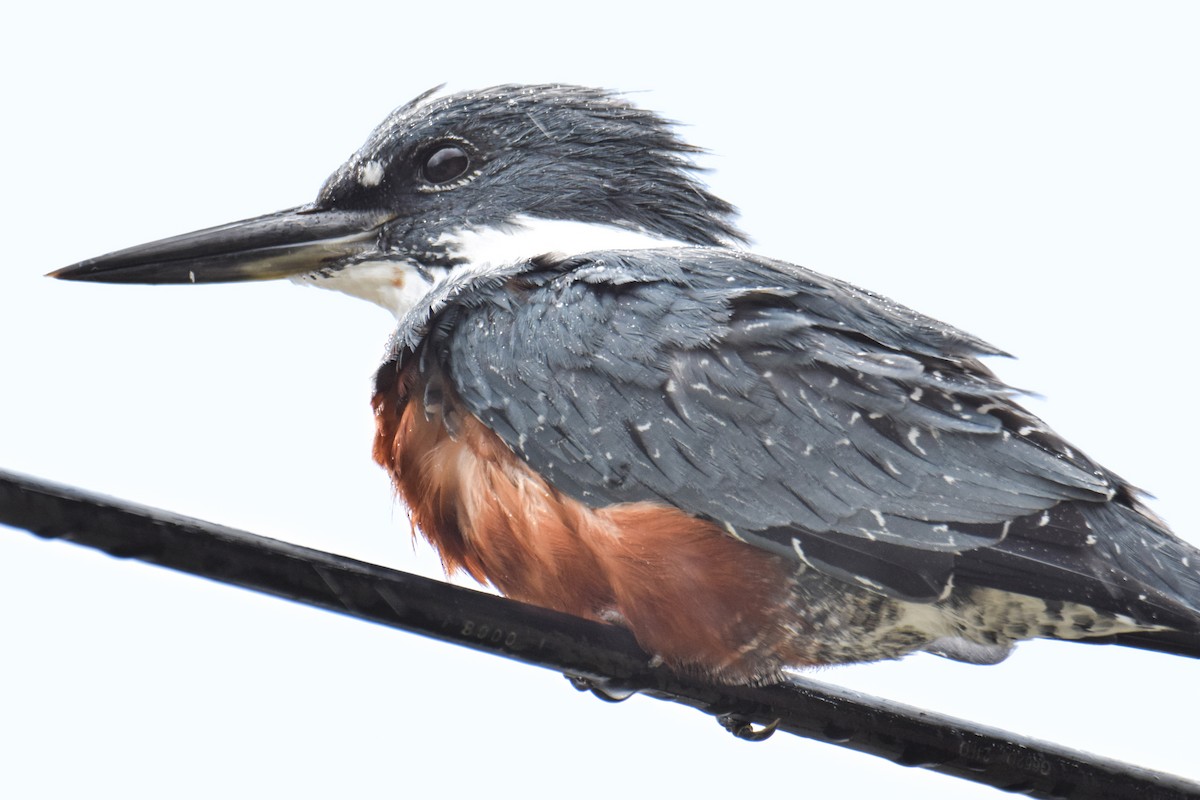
point(813, 418)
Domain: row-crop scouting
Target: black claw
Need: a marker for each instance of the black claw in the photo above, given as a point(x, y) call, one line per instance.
point(745, 728)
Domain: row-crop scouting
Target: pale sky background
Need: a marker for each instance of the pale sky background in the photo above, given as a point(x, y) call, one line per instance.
point(1028, 171)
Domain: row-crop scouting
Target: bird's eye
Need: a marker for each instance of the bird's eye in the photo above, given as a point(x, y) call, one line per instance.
point(444, 163)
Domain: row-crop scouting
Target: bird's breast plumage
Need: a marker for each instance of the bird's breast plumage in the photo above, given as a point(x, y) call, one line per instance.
point(690, 593)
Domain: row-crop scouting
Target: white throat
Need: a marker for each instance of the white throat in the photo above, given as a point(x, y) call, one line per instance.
point(398, 285)
point(395, 285)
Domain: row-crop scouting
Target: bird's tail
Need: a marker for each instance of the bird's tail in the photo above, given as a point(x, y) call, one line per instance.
point(1177, 643)
point(1146, 567)
point(1125, 564)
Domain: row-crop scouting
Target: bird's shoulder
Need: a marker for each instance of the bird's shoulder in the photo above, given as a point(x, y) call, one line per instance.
point(707, 294)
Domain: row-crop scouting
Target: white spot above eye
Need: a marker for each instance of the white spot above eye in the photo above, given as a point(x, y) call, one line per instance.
point(370, 173)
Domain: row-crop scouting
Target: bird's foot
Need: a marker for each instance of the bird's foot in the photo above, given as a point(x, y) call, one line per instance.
point(607, 690)
point(746, 728)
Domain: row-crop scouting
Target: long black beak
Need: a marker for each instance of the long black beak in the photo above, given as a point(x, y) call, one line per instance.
point(291, 242)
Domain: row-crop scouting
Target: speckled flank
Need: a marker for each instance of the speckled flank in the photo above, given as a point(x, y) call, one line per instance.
point(978, 626)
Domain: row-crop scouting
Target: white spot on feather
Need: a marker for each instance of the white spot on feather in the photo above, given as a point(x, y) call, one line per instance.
point(870, 584)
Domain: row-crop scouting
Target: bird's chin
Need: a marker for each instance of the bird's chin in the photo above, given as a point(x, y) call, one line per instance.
point(394, 284)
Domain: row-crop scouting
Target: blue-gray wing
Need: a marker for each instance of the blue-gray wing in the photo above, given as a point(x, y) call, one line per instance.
point(807, 416)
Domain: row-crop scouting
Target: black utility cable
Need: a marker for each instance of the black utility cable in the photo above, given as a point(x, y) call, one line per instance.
point(604, 657)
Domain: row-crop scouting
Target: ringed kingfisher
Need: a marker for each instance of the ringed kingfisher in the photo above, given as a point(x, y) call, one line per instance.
point(598, 401)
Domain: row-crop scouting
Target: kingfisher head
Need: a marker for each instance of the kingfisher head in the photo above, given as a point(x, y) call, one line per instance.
point(472, 179)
